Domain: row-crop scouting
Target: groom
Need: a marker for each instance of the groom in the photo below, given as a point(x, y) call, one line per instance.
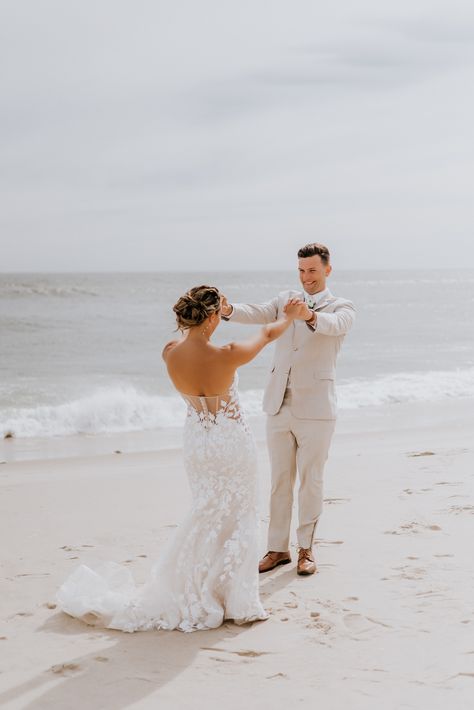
point(300, 401)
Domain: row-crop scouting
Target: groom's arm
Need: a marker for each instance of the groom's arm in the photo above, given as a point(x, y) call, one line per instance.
point(337, 323)
point(258, 313)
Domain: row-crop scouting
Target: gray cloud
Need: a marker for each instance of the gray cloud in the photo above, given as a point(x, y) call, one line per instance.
point(189, 123)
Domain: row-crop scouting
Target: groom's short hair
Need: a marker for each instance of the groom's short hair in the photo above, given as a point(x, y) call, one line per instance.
point(315, 249)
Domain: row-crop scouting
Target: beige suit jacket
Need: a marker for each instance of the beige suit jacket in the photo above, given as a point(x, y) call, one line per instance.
point(305, 355)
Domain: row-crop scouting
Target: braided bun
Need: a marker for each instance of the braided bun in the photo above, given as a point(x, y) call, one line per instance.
point(196, 305)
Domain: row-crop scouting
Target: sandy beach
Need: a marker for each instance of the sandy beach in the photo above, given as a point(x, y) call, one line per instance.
point(386, 622)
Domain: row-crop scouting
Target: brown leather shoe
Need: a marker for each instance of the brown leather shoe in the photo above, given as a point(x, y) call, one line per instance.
point(306, 564)
point(272, 560)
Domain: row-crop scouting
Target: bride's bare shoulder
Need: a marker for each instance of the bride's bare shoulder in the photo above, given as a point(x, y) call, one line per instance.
point(169, 347)
point(227, 348)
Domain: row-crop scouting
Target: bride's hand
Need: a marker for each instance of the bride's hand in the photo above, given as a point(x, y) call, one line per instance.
point(226, 308)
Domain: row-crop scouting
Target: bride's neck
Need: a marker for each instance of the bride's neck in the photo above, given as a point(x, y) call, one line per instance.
point(197, 335)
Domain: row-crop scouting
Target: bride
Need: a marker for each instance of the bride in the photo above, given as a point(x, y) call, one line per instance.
point(209, 570)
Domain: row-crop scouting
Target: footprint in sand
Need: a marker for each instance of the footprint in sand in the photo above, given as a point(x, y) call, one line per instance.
point(321, 541)
point(33, 574)
point(319, 623)
point(411, 491)
point(324, 626)
point(412, 528)
point(457, 509)
point(360, 624)
point(357, 623)
point(449, 483)
point(246, 653)
point(65, 668)
point(407, 572)
point(448, 554)
point(332, 501)
point(415, 454)
point(430, 593)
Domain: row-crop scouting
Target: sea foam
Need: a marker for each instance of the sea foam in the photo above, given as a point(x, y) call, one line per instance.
point(120, 409)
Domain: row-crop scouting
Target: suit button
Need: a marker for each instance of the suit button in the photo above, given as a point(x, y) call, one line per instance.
point(295, 349)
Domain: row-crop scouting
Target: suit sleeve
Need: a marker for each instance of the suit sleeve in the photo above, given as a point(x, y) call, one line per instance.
point(337, 323)
point(261, 313)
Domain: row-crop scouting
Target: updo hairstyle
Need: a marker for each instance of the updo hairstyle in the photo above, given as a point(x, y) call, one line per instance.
point(196, 305)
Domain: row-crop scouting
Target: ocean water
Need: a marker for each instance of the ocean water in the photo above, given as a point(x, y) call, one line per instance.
point(81, 353)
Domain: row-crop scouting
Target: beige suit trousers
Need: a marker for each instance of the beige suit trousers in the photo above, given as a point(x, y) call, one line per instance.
point(296, 445)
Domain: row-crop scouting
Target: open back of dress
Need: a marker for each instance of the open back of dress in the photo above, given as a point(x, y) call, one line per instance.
point(208, 571)
point(211, 408)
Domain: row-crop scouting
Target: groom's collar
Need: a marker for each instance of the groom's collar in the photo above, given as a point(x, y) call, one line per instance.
point(318, 298)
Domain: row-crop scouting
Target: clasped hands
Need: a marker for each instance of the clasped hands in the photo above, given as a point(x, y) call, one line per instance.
point(298, 309)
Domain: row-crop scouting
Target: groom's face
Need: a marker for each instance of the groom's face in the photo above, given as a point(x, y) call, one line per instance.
point(313, 273)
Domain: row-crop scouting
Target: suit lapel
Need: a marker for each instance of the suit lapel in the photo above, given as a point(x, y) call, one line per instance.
point(325, 302)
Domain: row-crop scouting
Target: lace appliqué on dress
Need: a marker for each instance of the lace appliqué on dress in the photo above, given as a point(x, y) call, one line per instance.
point(209, 570)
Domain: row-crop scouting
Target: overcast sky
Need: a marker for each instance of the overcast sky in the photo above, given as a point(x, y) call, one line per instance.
point(188, 134)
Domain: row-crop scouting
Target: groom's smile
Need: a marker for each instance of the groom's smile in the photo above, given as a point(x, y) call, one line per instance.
point(313, 273)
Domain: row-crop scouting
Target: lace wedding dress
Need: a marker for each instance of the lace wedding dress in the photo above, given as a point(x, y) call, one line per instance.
point(209, 570)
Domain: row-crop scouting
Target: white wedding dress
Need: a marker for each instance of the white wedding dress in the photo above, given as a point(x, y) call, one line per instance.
point(209, 570)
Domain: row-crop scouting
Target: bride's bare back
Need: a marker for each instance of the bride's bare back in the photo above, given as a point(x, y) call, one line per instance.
point(199, 368)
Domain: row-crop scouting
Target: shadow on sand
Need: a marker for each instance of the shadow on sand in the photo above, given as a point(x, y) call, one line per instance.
point(135, 666)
